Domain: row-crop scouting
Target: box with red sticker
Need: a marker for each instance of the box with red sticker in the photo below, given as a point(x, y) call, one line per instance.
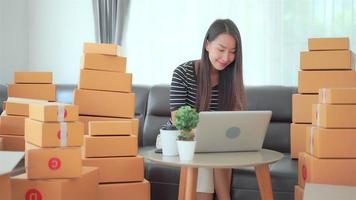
point(83, 188)
point(54, 134)
point(44, 163)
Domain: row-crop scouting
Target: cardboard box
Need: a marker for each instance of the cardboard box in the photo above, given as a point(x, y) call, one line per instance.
point(83, 188)
point(326, 60)
point(337, 95)
point(12, 125)
point(47, 163)
point(97, 48)
point(53, 112)
point(310, 82)
point(132, 191)
point(87, 119)
point(302, 107)
point(331, 143)
point(19, 106)
point(328, 44)
point(326, 171)
point(104, 62)
point(328, 192)
point(33, 77)
point(103, 103)
point(32, 91)
point(334, 116)
point(8, 162)
point(13, 142)
point(108, 146)
point(110, 128)
point(54, 134)
point(298, 192)
point(298, 138)
point(118, 169)
point(1, 144)
point(106, 81)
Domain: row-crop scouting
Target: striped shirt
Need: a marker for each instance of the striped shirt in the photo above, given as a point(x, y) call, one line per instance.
point(184, 88)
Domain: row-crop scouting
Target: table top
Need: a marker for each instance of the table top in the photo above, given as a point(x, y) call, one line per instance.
point(219, 160)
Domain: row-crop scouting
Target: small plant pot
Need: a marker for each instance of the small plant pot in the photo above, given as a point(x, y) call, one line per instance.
point(168, 142)
point(186, 149)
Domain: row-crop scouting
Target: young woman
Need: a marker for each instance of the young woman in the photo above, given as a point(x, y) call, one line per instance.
point(214, 82)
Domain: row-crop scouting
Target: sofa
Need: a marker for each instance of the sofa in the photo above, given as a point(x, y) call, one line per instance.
point(152, 109)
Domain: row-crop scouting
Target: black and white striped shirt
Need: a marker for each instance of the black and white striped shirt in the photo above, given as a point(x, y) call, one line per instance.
point(184, 88)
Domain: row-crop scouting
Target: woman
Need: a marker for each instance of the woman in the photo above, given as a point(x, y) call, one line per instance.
point(212, 83)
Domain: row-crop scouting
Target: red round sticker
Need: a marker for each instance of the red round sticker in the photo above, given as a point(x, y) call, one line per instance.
point(59, 134)
point(33, 194)
point(304, 172)
point(54, 163)
point(65, 113)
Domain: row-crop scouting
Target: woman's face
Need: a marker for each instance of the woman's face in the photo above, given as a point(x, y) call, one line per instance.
point(221, 51)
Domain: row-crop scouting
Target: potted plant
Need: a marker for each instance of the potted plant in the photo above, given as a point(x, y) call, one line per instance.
point(169, 134)
point(186, 120)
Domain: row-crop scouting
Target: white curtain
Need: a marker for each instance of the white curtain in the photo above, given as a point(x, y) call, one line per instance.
point(162, 34)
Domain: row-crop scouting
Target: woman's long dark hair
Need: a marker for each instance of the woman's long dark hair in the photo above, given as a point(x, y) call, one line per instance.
point(231, 88)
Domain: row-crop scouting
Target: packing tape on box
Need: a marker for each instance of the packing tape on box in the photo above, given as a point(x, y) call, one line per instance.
point(323, 95)
point(64, 135)
point(312, 132)
point(60, 113)
point(318, 114)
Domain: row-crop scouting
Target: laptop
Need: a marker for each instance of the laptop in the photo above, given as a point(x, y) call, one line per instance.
point(230, 131)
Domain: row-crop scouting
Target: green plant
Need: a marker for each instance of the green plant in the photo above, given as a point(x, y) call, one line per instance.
point(187, 119)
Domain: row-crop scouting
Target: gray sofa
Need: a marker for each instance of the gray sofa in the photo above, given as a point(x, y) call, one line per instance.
point(152, 108)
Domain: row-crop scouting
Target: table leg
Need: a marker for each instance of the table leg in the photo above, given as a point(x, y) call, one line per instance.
point(264, 181)
point(188, 183)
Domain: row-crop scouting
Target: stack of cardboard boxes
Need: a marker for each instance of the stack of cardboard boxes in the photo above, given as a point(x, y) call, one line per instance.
point(53, 156)
point(327, 64)
point(29, 87)
point(107, 107)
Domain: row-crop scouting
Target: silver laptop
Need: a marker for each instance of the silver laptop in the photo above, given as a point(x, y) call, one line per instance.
point(229, 131)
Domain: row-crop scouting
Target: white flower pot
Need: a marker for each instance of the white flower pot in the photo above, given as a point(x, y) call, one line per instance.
point(186, 149)
point(168, 142)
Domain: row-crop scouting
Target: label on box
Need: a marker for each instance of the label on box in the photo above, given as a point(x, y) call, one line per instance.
point(54, 163)
point(33, 194)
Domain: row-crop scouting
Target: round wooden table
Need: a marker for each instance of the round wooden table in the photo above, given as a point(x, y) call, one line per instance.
point(188, 176)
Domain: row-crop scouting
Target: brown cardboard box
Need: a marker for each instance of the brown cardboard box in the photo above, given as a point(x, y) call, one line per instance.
point(46, 163)
point(298, 192)
point(53, 112)
point(12, 125)
point(108, 146)
point(1, 144)
point(87, 119)
point(311, 81)
point(103, 103)
point(97, 48)
point(13, 142)
point(106, 81)
point(5, 187)
point(334, 116)
point(54, 134)
point(302, 107)
point(104, 62)
point(110, 128)
point(33, 77)
point(19, 106)
point(328, 44)
point(32, 91)
point(83, 188)
point(298, 138)
point(337, 95)
point(326, 60)
point(331, 143)
point(117, 169)
point(132, 191)
point(326, 171)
